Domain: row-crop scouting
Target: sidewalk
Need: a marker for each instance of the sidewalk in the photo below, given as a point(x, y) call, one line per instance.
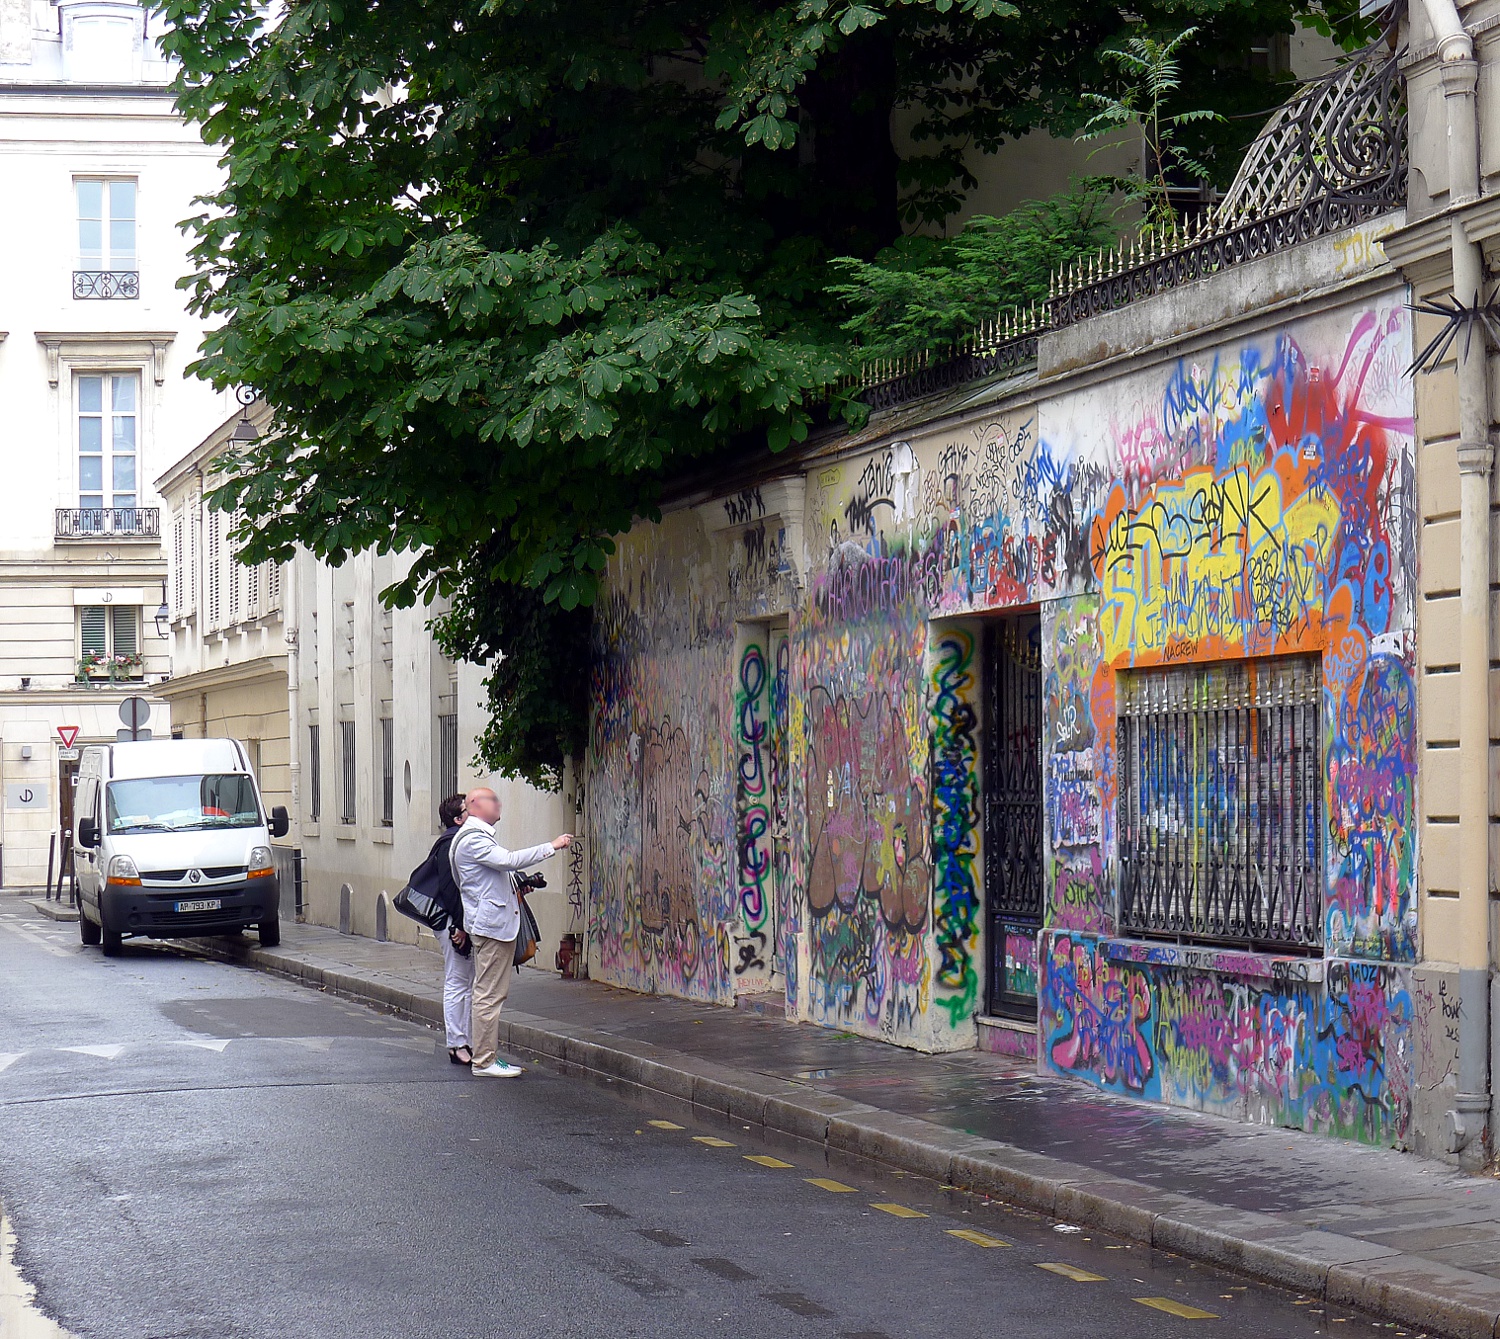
point(1406, 1239)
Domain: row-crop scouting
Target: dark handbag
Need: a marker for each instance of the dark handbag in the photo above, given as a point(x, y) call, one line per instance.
point(422, 908)
point(527, 936)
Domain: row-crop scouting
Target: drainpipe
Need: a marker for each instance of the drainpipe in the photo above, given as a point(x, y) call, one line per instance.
point(291, 633)
point(1471, 1104)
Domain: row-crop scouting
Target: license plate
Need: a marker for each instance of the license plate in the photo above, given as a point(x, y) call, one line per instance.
point(202, 904)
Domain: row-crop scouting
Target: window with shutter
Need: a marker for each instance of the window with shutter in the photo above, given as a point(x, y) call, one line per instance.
point(125, 625)
point(93, 637)
point(273, 586)
point(215, 520)
point(177, 563)
point(233, 556)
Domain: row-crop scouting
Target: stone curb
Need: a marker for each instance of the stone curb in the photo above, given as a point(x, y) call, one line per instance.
point(53, 911)
point(1348, 1271)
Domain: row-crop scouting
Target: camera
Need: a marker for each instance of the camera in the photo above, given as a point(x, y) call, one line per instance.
point(526, 883)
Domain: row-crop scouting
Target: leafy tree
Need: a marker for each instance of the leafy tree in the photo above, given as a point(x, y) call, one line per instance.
point(1152, 72)
point(925, 293)
point(502, 267)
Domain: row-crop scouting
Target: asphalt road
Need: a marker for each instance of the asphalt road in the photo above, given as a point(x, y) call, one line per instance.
point(192, 1150)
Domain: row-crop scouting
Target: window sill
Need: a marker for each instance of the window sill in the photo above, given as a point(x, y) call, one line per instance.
point(345, 832)
point(382, 836)
point(1204, 958)
point(310, 828)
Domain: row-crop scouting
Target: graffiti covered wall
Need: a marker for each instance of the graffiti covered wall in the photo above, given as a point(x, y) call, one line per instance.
point(789, 723)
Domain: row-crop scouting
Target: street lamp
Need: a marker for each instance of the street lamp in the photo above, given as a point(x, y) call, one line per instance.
point(163, 614)
point(245, 431)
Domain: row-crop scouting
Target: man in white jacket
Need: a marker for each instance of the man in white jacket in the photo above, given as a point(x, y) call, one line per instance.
point(483, 871)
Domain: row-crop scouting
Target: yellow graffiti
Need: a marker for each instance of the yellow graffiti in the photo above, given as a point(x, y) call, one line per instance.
point(1214, 565)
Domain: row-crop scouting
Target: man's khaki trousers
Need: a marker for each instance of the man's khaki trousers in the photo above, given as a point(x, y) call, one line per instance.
point(494, 961)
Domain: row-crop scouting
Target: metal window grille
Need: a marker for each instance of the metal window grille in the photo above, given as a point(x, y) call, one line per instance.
point(447, 755)
point(387, 772)
point(346, 769)
point(1221, 803)
point(314, 774)
point(1011, 800)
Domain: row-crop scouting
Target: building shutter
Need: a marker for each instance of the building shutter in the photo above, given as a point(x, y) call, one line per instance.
point(92, 638)
point(126, 628)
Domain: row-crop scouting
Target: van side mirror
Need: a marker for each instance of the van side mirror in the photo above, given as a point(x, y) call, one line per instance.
point(280, 823)
point(88, 832)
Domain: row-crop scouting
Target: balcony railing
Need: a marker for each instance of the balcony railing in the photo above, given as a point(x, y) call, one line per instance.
point(108, 523)
point(106, 283)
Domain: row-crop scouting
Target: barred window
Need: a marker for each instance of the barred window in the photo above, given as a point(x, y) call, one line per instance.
point(314, 774)
point(447, 755)
point(346, 769)
point(387, 772)
point(1221, 803)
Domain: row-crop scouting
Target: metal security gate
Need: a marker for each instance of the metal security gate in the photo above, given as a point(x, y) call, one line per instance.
point(1221, 803)
point(1012, 803)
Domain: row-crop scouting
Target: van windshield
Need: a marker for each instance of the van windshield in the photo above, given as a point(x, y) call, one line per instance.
point(181, 803)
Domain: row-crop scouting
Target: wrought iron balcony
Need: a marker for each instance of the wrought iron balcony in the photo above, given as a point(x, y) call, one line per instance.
point(108, 523)
point(106, 283)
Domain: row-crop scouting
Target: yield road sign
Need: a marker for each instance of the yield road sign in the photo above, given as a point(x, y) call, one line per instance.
point(67, 733)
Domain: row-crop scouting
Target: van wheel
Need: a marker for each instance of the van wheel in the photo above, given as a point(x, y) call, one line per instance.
point(270, 932)
point(110, 940)
point(87, 930)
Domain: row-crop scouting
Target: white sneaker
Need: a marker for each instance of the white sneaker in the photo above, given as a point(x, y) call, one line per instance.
point(498, 1070)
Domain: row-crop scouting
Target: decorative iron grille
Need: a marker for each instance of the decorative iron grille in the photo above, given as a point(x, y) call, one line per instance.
point(1335, 155)
point(1012, 804)
point(1014, 355)
point(107, 523)
point(1221, 803)
point(106, 284)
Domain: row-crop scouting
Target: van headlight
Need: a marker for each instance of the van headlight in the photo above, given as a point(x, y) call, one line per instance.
point(122, 870)
point(261, 865)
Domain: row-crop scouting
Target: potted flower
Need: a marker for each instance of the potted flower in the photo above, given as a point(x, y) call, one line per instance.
point(126, 666)
point(92, 665)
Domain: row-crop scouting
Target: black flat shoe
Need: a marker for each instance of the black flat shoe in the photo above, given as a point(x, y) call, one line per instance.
point(453, 1055)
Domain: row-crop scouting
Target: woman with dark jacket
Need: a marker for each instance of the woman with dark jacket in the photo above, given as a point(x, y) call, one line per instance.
point(458, 964)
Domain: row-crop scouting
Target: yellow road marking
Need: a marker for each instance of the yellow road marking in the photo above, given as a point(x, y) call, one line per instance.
point(711, 1142)
point(765, 1161)
point(1074, 1273)
point(978, 1238)
point(664, 1124)
point(823, 1183)
point(898, 1211)
point(1176, 1308)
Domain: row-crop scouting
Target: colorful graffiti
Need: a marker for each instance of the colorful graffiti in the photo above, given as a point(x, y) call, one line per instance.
point(809, 803)
point(955, 823)
point(753, 840)
point(1332, 1056)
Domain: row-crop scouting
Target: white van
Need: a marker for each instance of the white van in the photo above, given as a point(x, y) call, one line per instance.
point(171, 840)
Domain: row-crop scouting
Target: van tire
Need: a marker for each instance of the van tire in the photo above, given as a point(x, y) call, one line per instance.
point(110, 941)
point(88, 932)
point(270, 932)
